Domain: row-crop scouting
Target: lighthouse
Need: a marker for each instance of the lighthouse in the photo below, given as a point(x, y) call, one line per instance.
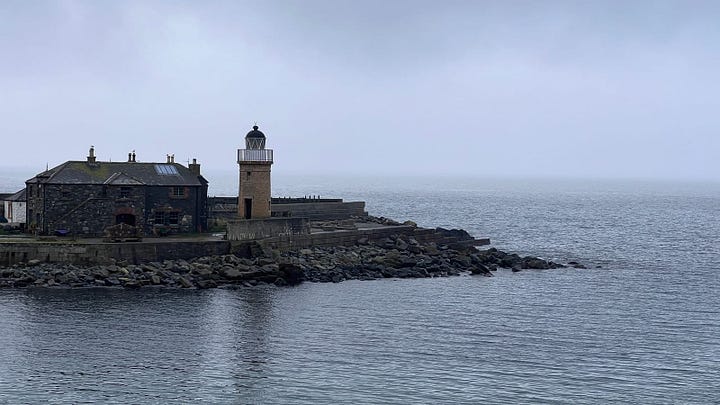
point(254, 162)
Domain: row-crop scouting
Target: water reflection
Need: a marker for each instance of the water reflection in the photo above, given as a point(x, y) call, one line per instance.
point(236, 340)
point(96, 343)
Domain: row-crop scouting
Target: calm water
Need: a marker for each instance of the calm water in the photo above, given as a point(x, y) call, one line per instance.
point(645, 328)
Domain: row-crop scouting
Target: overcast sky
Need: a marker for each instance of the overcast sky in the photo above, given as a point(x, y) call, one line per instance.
point(478, 88)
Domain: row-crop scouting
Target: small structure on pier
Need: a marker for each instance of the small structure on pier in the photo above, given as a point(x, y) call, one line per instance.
point(254, 163)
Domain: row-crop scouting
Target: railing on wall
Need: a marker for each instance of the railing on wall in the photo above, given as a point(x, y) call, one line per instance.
point(255, 155)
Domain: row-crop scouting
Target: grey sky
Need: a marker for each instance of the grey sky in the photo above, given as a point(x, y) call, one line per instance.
point(516, 88)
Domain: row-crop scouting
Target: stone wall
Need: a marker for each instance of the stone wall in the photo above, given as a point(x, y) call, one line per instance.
point(320, 210)
point(224, 209)
point(104, 253)
point(14, 211)
point(254, 185)
point(84, 253)
point(353, 237)
point(81, 209)
point(253, 229)
point(87, 209)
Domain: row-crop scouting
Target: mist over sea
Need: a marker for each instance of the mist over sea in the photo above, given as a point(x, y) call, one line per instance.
point(642, 328)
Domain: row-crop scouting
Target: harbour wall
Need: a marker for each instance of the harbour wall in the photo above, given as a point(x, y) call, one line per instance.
point(85, 253)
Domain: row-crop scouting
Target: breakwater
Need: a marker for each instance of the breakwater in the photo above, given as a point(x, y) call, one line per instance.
point(396, 256)
point(95, 252)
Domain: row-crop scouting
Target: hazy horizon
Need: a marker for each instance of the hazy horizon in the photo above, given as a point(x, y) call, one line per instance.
point(523, 89)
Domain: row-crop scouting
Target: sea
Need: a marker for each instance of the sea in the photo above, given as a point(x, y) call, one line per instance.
point(640, 325)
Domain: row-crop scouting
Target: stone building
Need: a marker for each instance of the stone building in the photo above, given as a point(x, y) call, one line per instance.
point(14, 208)
point(254, 190)
point(85, 197)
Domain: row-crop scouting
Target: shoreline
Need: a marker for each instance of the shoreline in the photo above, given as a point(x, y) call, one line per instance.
point(396, 256)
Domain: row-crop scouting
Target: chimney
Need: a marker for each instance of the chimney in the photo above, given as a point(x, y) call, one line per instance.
point(133, 156)
point(172, 158)
point(129, 157)
point(91, 155)
point(168, 159)
point(194, 167)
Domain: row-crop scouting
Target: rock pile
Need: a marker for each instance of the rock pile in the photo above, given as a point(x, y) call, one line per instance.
point(393, 257)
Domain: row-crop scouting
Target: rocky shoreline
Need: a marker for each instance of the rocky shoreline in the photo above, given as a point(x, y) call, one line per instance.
point(394, 257)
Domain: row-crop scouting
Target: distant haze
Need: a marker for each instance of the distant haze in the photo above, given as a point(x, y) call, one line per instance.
point(476, 88)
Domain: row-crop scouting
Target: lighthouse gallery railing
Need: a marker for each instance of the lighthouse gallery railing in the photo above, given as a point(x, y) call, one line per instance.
point(255, 155)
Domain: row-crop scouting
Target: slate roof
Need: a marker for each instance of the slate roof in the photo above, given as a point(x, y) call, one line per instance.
point(19, 196)
point(120, 173)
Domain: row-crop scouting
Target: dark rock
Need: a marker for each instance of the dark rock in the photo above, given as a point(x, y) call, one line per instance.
point(206, 284)
point(101, 273)
point(479, 269)
point(231, 273)
point(457, 234)
point(185, 283)
point(292, 273)
point(534, 263)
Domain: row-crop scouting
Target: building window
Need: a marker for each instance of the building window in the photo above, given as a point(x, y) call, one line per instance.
point(249, 173)
point(167, 218)
point(124, 192)
point(177, 192)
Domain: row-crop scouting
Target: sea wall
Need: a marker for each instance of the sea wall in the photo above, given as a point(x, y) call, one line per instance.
point(254, 229)
point(370, 235)
point(318, 210)
point(224, 209)
point(87, 253)
point(105, 253)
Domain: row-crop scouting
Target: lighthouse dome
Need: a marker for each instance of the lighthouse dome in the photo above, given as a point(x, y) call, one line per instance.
point(255, 133)
point(255, 139)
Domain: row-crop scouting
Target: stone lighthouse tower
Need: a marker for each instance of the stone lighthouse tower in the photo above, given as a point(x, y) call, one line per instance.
point(254, 162)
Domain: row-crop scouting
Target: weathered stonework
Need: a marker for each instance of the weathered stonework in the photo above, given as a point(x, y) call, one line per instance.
point(95, 195)
point(256, 229)
point(254, 185)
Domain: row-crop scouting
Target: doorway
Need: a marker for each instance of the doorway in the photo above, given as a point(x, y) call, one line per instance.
point(125, 219)
point(248, 208)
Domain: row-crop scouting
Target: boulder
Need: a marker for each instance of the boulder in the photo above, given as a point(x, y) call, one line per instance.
point(185, 283)
point(101, 272)
point(292, 273)
point(479, 268)
point(534, 263)
point(231, 273)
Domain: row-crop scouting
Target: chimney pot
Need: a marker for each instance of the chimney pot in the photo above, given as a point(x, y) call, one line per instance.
point(91, 155)
point(194, 167)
